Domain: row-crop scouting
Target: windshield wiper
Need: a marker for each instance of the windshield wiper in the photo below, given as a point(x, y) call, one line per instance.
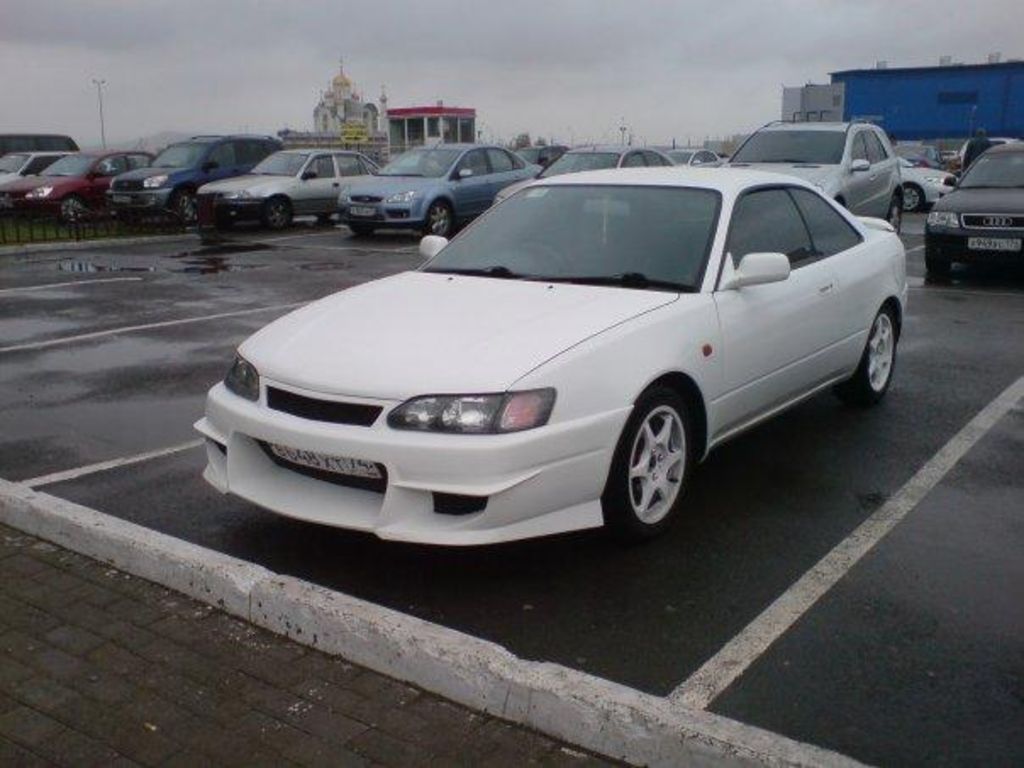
point(625, 280)
point(498, 270)
point(418, 175)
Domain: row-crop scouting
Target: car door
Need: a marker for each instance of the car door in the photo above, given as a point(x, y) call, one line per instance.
point(858, 183)
point(504, 170)
point(775, 337)
point(223, 158)
point(472, 192)
point(318, 193)
point(103, 173)
point(880, 176)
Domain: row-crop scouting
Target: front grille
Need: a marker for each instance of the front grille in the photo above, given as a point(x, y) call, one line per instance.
point(365, 198)
point(322, 410)
point(993, 220)
point(127, 185)
point(379, 485)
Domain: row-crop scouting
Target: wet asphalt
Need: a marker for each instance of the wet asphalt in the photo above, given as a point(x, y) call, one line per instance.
point(916, 657)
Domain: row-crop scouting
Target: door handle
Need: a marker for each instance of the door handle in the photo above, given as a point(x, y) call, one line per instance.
point(826, 288)
point(872, 178)
point(335, 184)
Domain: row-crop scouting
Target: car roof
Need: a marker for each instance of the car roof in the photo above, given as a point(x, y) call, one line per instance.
point(1010, 146)
point(729, 181)
point(811, 126)
point(616, 148)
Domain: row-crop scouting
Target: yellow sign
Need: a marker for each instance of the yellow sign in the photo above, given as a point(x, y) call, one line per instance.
point(354, 133)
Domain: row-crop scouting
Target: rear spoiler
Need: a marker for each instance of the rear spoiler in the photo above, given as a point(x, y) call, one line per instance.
point(878, 224)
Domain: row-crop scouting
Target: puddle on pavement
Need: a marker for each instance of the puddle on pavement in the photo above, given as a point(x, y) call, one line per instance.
point(187, 263)
point(324, 266)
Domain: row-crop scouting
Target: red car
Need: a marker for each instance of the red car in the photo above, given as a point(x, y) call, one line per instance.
point(73, 186)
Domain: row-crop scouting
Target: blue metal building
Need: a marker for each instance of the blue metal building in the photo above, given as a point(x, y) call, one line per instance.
point(938, 102)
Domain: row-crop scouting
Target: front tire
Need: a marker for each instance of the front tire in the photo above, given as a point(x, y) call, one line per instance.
point(183, 204)
point(873, 376)
point(936, 268)
point(651, 467)
point(440, 219)
point(277, 213)
point(913, 198)
point(73, 209)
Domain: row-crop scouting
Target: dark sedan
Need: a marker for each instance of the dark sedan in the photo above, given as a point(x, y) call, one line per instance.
point(982, 220)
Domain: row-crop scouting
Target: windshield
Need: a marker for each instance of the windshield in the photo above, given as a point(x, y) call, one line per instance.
point(656, 237)
point(12, 163)
point(432, 163)
point(180, 156)
point(281, 164)
point(817, 147)
point(680, 157)
point(574, 162)
point(72, 165)
point(1002, 171)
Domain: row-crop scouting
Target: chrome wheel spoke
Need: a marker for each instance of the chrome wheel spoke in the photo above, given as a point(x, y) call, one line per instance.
point(657, 465)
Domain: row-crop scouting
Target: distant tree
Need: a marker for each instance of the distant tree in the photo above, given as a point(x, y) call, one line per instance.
point(540, 142)
point(521, 141)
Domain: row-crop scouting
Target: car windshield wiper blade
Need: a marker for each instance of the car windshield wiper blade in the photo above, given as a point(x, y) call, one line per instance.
point(498, 270)
point(417, 175)
point(626, 280)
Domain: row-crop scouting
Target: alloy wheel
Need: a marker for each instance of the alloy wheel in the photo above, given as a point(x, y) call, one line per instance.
point(277, 214)
point(881, 346)
point(439, 219)
point(657, 464)
point(911, 199)
point(73, 209)
point(187, 207)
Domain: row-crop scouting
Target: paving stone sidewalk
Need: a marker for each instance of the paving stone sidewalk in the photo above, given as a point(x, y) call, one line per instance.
point(101, 668)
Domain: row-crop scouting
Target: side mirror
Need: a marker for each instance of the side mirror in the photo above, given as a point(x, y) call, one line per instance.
point(210, 165)
point(759, 269)
point(464, 173)
point(860, 165)
point(431, 245)
point(307, 175)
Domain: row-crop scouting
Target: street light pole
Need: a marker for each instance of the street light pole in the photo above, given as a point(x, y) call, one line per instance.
point(99, 95)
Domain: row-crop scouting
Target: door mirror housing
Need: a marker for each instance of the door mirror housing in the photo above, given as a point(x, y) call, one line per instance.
point(431, 245)
point(758, 269)
point(307, 175)
point(464, 173)
point(860, 165)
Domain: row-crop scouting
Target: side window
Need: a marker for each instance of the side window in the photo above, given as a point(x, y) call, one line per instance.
point(633, 160)
point(767, 221)
point(654, 159)
point(223, 155)
point(475, 161)
point(706, 157)
point(876, 152)
point(111, 166)
point(348, 165)
point(859, 151)
point(37, 164)
point(368, 167)
point(830, 232)
point(500, 160)
point(322, 167)
point(138, 161)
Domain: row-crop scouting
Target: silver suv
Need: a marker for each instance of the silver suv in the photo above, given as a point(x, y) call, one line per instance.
point(853, 163)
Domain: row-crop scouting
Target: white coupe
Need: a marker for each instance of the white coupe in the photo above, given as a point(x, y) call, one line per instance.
point(564, 362)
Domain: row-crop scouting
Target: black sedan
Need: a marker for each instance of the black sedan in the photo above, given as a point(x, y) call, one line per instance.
point(982, 220)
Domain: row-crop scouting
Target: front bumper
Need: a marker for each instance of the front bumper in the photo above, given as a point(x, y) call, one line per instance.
point(388, 215)
point(535, 483)
point(238, 209)
point(138, 200)
point(949, 244)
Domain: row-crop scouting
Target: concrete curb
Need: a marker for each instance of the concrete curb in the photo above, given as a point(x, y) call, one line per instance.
point(82, 245)
point(597, 714)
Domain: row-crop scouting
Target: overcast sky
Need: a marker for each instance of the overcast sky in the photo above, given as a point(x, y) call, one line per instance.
point(571, 69)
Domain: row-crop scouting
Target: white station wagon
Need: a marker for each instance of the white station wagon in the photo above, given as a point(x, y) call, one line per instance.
point(565, 362)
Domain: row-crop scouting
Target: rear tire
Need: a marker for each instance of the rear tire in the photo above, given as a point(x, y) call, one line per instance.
point(913, 198)
point(650, 468)
point(873, 376)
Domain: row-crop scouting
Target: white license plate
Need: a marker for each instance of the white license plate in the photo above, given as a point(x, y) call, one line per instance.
point(362, 210)
point(994, 243)
point(341, 465)
point(121, 198)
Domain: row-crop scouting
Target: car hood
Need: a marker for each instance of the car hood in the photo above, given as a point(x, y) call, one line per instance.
point(28, 183)
point(963, 200)
point(144, 173)
point(420, 333)
point(6, 177)
point(815, 174)
point(251, 182)
point(392, 185)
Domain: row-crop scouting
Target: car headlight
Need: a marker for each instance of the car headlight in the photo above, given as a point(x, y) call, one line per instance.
point(401, 197)
point(241, 194)
point(155, 181)
point(39, 192)
point(243, 379)
point(475, 414)
point(934, 179)
point(943, 219)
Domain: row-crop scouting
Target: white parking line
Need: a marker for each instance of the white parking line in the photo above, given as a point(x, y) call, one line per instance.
point(102, 466)
point(146, 327)
point(69, 283)
point(719, 672)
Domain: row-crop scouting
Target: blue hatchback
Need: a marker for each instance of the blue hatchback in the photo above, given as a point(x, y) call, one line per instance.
point(180, 169)
point(432, 189)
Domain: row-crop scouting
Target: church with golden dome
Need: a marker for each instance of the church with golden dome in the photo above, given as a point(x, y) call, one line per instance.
point(341, 110)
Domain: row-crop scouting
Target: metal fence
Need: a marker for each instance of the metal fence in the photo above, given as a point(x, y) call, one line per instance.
point(19, 228)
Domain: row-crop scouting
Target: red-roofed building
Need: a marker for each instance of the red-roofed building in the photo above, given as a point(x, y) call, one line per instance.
point(414, 126)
